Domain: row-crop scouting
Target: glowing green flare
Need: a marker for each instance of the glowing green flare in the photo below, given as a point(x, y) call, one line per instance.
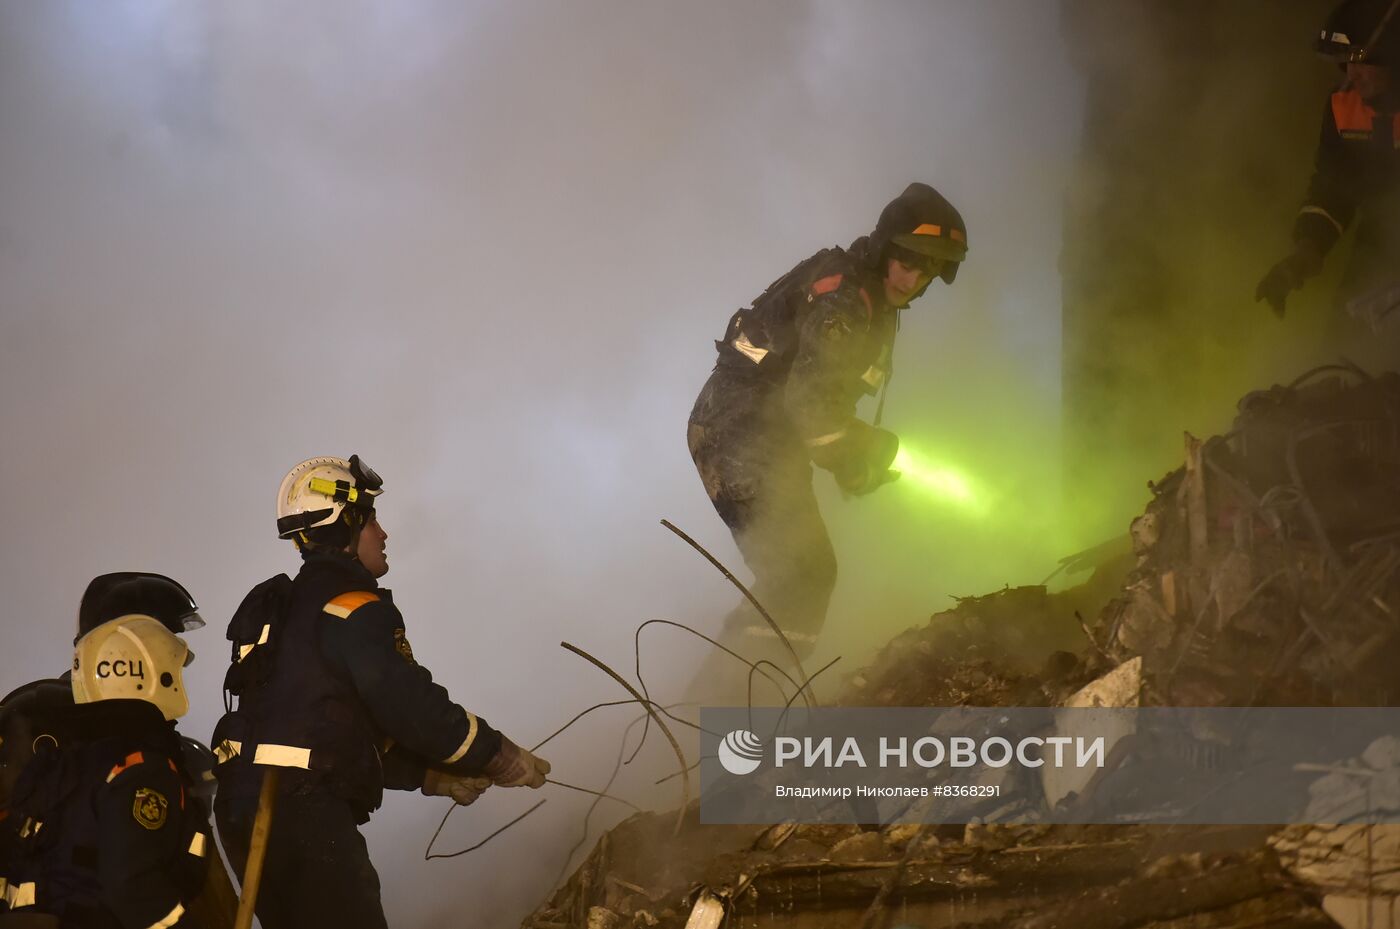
point(935, 478)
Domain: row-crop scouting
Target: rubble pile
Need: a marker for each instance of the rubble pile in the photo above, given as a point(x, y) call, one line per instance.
point(1006, 649)
point(958, 877)
point(1265, 571)
point(1267, 566)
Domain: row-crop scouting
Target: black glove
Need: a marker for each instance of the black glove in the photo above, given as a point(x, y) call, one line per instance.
point(1288, 275)
point(869, 467)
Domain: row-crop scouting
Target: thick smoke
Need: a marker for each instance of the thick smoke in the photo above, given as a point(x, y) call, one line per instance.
point(487, 247)
point(1200, 123)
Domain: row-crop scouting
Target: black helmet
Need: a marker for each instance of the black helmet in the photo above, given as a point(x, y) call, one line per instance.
point(110, 596)
point(921, 220)
point(1362, 31)
point(21, 729)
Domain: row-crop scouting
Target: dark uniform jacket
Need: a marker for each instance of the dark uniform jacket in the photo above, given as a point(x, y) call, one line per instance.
point(329, 690)
point(1356, 181)
point(107, 830)
point(792, 367)
point(17, 736)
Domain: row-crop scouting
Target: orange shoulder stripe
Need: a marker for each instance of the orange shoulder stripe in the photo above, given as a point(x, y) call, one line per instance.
point(347, 603)
point(1351, 113)
point(132, 760)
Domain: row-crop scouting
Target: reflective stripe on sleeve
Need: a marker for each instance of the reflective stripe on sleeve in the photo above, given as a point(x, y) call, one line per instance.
point(466, 743)
point(827, 439)
point(282, 756)
point(1319, 211)
point(198, 845)
point(170, 918)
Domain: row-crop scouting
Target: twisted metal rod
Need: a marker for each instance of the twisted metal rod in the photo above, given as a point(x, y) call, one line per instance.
point(729, 575)
point(666, 730)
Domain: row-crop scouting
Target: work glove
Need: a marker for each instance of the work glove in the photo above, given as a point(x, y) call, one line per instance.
point(1288, 275)
point(513, 766)
point(869, 468)
point(464, 790)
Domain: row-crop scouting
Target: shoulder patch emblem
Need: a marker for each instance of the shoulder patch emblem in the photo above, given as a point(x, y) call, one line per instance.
point(149, 808)
point(345, 604)
point(402, 647)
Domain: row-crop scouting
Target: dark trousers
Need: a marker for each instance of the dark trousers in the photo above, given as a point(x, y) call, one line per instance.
point(765, 498)
point(317, 871)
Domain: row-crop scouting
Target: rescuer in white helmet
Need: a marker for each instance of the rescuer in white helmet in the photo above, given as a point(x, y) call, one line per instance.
point(329, 693)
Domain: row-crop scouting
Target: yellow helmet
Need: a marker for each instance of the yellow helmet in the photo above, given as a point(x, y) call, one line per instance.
point(132, 657)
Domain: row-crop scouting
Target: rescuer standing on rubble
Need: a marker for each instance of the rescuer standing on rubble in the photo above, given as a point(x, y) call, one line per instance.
point(783, 396)
point(330, 695)
point(1357, 166)
point(107, 827)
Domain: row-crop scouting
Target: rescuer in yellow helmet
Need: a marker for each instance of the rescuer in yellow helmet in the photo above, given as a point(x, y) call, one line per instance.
point(107, 825)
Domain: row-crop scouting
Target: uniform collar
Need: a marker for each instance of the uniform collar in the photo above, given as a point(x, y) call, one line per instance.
point(341, 566)
point(88, 722)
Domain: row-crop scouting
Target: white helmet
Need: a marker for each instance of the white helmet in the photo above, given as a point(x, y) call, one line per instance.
point(132, 657)
point(318, 490)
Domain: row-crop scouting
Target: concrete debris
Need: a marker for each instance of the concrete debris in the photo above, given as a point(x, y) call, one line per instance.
point(1265, 571)
point(602, 918)
point(867, 846)
point(1121, 687)
point(1354, 867)
point(708, 912)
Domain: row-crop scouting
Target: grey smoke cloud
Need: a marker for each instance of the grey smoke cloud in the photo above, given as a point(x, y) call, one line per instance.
point(487, 246)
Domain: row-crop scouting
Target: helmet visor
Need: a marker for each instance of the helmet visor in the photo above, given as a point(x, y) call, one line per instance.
point(950, 247)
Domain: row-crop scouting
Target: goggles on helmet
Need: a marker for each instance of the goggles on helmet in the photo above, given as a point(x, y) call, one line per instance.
point(1337, 47)
point(365, 477)
point(927, 264)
